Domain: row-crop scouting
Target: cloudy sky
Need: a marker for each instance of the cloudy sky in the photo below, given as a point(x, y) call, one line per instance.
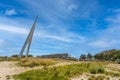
point(73, 26)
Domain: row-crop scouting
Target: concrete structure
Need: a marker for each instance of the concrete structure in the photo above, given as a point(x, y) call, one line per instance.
point(60, 56)
point(28, 40)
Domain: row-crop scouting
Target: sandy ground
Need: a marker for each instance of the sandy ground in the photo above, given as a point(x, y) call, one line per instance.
point(9, 68)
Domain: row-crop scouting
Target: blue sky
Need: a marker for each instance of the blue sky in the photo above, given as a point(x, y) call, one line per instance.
point(73, 26)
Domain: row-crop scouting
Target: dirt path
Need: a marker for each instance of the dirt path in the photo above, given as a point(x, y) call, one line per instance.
point(9, 68)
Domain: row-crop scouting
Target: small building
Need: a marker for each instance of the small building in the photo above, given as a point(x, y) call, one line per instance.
point(60, 56)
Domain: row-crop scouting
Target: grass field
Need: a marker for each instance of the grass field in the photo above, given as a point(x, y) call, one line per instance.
point(67, 72)
point(55, 69)
point(64, 72)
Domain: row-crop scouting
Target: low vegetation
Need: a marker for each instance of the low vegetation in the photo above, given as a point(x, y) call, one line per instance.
point(14, 57)
point(96, 68)
point(91, 66)
point(61, 72)
point(31, 62)
point(116, 74)
point(100, 77)
point(9, 59)
point(8, 77)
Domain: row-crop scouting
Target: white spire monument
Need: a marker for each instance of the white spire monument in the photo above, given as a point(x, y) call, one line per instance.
point(28, 40)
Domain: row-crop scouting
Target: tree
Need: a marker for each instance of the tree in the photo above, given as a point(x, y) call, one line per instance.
point(30, 55)
point(89, 56)
point(15, 55)
point(112, 54)
point(82, 57)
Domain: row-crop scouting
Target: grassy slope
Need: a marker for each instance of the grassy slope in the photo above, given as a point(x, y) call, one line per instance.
point(61, 72)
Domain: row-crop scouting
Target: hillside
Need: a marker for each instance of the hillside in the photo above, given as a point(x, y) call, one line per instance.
point(112, 55)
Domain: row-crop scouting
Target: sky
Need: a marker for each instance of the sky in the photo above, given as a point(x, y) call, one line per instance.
point(64, 26)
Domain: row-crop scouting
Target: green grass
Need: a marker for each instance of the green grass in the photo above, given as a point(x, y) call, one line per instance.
point(57, 73)
point(114, 74)
point(96, 68)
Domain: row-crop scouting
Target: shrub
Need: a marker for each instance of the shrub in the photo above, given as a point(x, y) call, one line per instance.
point(7, 77)
point(2, 58)
point(96, 68)
point(12, 59)
point(9, 59)
point(15, 55)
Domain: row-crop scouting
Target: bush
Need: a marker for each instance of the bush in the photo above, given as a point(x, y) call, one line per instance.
point(2, 58)
point(15, 55)
point(96, 68)
point(9, 59)
point(12, 59)
point(7, 77)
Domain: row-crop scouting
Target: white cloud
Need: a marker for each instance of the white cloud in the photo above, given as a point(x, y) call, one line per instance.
point(59, 10)
point(71, 37)
point(116, 10)
point(63, 2)
point(13, 29)
point(72, 7)
point(10, 12)
point(102, 43)
point(2, 42)
point(109, 37)
point(61, 38)
point(113, 25)
point(64, 35)
point(1, 51)
point(114, 19)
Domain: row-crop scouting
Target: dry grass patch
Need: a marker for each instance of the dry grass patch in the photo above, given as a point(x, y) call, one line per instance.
point(31, 62)
point(100, 77)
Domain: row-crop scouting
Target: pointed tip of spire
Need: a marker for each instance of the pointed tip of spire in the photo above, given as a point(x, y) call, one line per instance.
point(37, 17)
